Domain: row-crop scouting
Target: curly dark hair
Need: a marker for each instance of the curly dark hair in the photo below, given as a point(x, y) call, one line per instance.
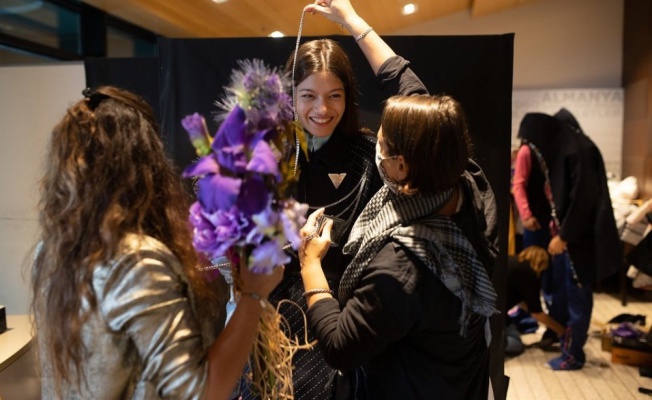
point(107, 176)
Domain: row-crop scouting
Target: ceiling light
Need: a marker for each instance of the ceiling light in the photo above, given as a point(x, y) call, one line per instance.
point(220, 1)
point(409, 9)
point(276, 34)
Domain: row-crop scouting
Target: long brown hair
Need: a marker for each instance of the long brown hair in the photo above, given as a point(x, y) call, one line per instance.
point(327, 55)
point(107, 175)
point(431, 133)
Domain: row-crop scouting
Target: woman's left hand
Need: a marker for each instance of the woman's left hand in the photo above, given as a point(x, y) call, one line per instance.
point(316, 238)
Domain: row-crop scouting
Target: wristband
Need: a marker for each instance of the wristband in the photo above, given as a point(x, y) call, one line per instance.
point(315, 291)
point(363, 34)
point(255, 296)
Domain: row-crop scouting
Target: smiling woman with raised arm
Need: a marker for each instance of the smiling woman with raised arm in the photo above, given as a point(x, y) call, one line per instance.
point(338, 174)
point(413, 306)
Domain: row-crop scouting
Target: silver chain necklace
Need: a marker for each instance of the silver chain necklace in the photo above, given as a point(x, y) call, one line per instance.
point(294, 95)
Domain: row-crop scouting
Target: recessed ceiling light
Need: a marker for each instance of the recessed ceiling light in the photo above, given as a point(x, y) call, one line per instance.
point(409, 9)
point(220, 1)
point(276, 34)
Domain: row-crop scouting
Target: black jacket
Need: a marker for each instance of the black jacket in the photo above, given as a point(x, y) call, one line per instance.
point(402, 326)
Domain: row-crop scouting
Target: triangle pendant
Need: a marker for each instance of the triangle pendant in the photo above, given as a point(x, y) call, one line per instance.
point(337, 179)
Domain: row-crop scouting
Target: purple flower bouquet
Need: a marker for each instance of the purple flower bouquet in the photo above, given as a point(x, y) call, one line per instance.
point(244, 212)
point(245, 176)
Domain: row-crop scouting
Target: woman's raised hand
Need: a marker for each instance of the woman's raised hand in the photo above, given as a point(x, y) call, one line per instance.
point(338, 11)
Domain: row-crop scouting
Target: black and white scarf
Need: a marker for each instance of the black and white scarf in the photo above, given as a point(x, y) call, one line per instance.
point(435, 239)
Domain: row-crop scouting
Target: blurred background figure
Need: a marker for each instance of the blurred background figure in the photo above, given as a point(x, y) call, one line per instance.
point(584, 240)
point(530, 198)
point(524, 290)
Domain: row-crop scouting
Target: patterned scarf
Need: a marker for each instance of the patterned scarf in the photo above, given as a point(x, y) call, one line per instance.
point(436, 240)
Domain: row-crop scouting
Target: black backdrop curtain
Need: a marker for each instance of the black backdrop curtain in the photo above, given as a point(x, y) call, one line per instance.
point(476, 70)
point(137, 74)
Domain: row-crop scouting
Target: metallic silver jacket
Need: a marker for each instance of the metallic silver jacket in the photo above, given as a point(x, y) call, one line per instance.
point(144, 339)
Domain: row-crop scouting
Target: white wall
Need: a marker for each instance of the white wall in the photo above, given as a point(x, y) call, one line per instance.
point(560, 46)
point(32, 100)
point(598, 111)
point(557, 44)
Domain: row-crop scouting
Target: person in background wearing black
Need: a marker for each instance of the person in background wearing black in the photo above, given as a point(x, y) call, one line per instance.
point(585, 244)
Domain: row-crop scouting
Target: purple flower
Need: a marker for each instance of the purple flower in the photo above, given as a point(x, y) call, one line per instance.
point(230, 142)
point(204, 237)
point(278, 110)
point(293, 218)
point(218, 192)
point(195, 125)
point(262, 93)
point(263, 160)
point(216, 232)
point(266, 223)
point(205, 165)
point(261, 134)
point(254, 195)
point(267, 256)
point(242, 206)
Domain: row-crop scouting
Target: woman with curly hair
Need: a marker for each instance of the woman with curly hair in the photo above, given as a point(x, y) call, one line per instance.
point(117, 298)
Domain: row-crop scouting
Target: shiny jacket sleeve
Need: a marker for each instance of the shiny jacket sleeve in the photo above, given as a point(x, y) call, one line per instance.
point(144, 295)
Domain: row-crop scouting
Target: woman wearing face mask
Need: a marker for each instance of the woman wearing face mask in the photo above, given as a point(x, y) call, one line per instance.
point(414, 303)
point(339, 173)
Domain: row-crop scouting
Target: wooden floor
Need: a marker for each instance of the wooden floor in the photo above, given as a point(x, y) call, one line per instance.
point(530, 377)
